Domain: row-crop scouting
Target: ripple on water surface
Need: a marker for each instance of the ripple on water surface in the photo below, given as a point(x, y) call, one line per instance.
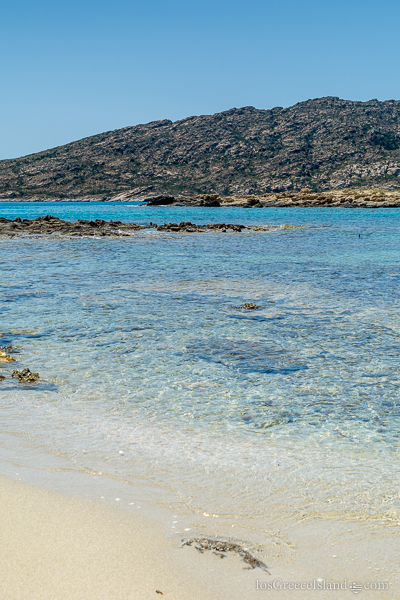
point(140, 345)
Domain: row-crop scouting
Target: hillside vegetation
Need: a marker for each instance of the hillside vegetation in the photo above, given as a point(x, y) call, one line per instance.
point(319, 144)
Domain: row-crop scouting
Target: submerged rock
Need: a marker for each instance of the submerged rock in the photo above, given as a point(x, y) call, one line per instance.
point(26, 376)
point(188, 227)
point(248, 306)
point(4, 357)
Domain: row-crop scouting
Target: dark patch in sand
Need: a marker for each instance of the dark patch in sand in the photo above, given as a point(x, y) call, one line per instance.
point(220, 546)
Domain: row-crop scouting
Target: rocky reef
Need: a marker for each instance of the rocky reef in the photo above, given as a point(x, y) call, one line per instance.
point(248, 306)
point(349, 198)
point(26, 376)
point(5, 358)
point(23, 375)
point(49, 225)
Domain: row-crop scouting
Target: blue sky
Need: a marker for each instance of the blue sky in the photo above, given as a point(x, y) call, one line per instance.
point(75, 68)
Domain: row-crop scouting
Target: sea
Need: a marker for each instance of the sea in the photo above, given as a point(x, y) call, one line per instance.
point(151, 373)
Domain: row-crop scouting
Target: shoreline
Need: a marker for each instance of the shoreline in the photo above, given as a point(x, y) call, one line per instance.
point(168, 482)
point(71, 533)
point(66, 547)
point(346, 198)
point(55, 546)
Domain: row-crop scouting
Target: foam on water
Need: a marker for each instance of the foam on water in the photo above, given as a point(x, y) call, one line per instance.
point(289, 410)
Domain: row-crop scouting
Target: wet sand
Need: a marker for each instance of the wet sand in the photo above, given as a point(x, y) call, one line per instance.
point(58, 547)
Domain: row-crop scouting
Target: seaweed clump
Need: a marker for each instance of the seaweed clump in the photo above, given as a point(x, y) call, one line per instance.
point(220, 546)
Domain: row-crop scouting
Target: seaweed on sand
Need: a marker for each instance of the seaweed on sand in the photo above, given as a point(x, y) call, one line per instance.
point(220, 546)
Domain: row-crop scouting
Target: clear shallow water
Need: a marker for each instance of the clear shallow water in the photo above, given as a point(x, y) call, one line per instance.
point(289, 410)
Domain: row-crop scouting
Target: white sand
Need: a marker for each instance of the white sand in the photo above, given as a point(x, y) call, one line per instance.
point(56, 547)
point(53, 547)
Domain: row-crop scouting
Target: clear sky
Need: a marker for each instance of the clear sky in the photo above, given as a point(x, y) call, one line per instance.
point(73, 68)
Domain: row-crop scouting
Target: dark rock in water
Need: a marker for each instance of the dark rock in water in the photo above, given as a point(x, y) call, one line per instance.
point(26, 376)
point(49, 225)
point(204, 200)
point(244, 356)
point(248, 306)
point(4, 357)
point(253, 203)
point(188, 227)
point(219, 547)
point(160, 200)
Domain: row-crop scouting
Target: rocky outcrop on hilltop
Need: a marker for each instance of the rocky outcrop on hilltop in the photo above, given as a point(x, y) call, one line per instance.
point(321, 144)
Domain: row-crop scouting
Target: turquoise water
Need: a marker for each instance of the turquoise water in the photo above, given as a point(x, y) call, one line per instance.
point(141, 350)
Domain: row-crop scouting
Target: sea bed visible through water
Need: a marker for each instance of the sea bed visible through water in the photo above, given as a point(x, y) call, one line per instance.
point(251, 423)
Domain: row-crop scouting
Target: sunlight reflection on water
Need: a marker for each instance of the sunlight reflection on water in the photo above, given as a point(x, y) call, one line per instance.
point(138, 343)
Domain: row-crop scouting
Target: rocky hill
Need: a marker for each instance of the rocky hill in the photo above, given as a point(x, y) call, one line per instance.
point(319, 144)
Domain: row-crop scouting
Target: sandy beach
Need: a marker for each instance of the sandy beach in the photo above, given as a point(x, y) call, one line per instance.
point(57, 546)
point(199, 301)
point(64, 547)
point(54, 546)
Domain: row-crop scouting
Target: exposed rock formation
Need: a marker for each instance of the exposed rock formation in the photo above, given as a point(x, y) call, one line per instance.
point(26, 376)
point(4, 357)
point(247, 306)
point(49, 225)
point(349, 198)
point(323, 144)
